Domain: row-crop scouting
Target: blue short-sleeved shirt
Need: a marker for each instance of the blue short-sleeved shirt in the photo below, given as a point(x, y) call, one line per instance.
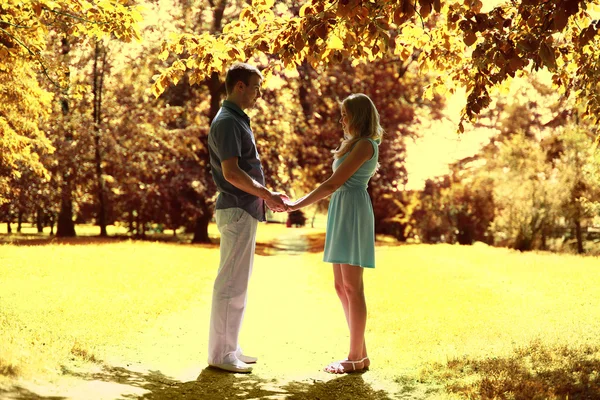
point(230, 135)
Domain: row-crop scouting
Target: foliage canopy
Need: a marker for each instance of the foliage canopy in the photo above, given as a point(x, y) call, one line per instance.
point(466, 45)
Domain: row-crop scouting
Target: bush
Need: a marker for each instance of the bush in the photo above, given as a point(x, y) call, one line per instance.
point(296, 218)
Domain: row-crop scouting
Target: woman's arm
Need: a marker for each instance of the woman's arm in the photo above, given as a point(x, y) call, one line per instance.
point(361, 152)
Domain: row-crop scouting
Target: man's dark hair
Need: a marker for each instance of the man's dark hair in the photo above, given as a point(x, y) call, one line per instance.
point(240, 72)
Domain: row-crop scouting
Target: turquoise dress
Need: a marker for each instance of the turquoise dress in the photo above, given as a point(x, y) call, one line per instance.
point(350, 236)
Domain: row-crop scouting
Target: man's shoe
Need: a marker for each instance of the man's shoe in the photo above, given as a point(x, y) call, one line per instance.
point(247, 359)
point(237, 366)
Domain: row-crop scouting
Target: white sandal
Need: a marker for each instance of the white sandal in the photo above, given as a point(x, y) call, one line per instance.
point(339, 364)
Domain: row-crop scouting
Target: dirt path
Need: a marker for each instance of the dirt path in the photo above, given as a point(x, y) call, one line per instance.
point(291, 243)
point(166, 362)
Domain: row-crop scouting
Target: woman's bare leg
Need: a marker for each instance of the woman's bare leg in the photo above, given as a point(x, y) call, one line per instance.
point(357, 310)
point(341, 292)
point(339, 289)
point(350, 289)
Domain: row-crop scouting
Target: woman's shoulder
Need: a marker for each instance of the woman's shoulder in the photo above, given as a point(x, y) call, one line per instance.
point(365, 147)
point(371, 143)
point(363, 144)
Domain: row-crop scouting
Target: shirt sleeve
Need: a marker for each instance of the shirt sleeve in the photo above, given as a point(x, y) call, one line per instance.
point(228, 139)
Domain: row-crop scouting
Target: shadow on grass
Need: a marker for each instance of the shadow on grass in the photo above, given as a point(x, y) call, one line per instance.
point(534, 372)
point(19, 393)
point(214, 384)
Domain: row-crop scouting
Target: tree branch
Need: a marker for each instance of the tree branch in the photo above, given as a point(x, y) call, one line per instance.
point(37, 58)
point(75, 17)
point(422, 22)
point(13, 25)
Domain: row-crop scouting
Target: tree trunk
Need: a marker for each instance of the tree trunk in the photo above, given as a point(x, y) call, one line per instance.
point(215, 88)
point(65, 226)
point(19, 220)
point(8, 227)
point(40, 220)
point(579, 236)
point(131, 222)
point(201, 229)
point(97, 90)
point(544, 245)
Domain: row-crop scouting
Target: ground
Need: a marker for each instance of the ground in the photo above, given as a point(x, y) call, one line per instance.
point(444, 322)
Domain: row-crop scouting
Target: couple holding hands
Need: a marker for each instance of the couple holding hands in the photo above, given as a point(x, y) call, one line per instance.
point(350, 237)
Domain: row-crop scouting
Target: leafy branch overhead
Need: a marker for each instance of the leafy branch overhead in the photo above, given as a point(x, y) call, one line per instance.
point(24, 26)
point(465, 45)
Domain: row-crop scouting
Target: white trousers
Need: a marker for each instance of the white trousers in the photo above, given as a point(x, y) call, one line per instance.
point(238, 243)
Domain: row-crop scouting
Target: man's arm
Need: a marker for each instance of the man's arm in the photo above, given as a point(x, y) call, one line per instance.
point(241, 180)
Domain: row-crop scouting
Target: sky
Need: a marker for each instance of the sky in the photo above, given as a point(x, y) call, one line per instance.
point(441, 144)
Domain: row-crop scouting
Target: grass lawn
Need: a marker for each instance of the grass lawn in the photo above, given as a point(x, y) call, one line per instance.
point(444, 322)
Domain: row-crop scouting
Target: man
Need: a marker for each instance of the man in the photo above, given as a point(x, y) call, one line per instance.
point(239, 177)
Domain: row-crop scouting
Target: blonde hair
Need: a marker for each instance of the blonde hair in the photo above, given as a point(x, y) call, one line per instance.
point(363, 122)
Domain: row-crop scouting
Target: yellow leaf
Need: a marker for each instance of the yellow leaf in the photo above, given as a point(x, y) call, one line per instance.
point(245, 12)
point(51, 5)
point(193, 79)
point(157, 89)
point(220, 47)
point(164, 55)
point(179, 65)
point(164, 82)
point(429, 93)
point(217, 64)
point(303, 9)
point(85, 5)
point(190, 63)
point(335, 43)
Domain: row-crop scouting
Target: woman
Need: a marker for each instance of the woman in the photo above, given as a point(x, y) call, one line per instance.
point(350, 237)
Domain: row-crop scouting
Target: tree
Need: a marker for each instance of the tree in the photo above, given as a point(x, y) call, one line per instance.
point(24, 29)
point(470, 202)
point(573, 155)
point(98, 75)
point(22, 105)
point(473, 48)
point(426, 217)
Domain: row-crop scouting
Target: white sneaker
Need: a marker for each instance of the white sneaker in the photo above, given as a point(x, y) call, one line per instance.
point(247, 359)
point(236, 366)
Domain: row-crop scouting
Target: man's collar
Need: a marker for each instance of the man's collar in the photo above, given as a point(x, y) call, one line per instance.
point(232, 106)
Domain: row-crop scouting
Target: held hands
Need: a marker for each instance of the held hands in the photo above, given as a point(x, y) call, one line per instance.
point(277, 202)
point(292, 205)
